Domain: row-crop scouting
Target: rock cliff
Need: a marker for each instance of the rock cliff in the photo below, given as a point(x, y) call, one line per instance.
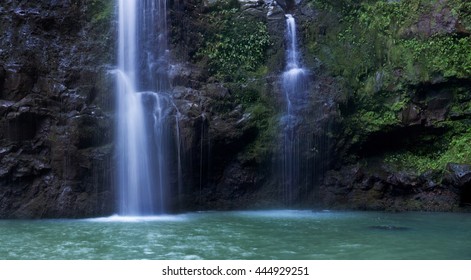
point(56, 118)
point(386, 120)
point(404, 67)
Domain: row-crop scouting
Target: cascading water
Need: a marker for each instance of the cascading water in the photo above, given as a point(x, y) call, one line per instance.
point(295, 89)
point(144, 128)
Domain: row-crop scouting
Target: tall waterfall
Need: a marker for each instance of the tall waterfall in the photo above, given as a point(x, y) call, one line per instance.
point(144, 125)
point(295, 87)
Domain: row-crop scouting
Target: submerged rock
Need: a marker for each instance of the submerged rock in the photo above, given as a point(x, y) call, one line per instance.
point(459, 174)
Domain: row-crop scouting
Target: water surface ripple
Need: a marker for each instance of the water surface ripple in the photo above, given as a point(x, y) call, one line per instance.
point(284, 234)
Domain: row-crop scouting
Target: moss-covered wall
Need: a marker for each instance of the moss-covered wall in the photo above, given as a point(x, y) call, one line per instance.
point(225, 84)
point(390, 57)
point(234, 50)
point(405, 70)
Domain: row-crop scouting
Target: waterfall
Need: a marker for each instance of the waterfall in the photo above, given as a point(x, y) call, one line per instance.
point(295, 90)
point(292, 50)
point(145, 129)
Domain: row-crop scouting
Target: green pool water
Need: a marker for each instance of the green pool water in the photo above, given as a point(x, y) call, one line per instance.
point(284, 234)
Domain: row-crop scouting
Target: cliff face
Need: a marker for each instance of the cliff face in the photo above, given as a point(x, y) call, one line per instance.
point(404, 67)
point(56, 120)
point(386, 122)
point(227, 108)
point(387, 117)
point(228, 60)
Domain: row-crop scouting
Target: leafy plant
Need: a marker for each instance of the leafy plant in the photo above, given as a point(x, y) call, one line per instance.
point(375, 49)
point(100, 10)
point(237, 45)
point(448, 55)
point(457, 150)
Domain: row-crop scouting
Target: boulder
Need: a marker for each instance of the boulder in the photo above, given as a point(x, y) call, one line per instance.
point(459, 174)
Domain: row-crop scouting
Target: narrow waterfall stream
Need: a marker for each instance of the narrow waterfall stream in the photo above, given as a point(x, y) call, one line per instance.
point(294, 86)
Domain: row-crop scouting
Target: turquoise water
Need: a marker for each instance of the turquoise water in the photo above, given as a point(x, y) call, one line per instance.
point(286, 234)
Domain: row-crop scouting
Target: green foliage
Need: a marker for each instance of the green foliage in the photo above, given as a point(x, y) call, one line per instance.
point(399, 105)
point(372, 35)
point(376, 111)
point(262, 116)
point(233, 48)
point(371, 121)
point(448, 55)
point(461, 108)
point(462, 9)
point(389, 18)
point(377, 50)
point(457, 151)
point(100, 11)
point(235, 45)
point(247, 96)
point(432, 153)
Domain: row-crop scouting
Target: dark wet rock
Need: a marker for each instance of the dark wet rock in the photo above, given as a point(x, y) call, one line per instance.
point(411, 115)
point(430, 105)
point(459, 174)
point(224, 168)
point(213, 131)
point(254, 12)
point(439, 20)
point(186, 75)
point(55, 124)
point(365, 188)
point(289, 6)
